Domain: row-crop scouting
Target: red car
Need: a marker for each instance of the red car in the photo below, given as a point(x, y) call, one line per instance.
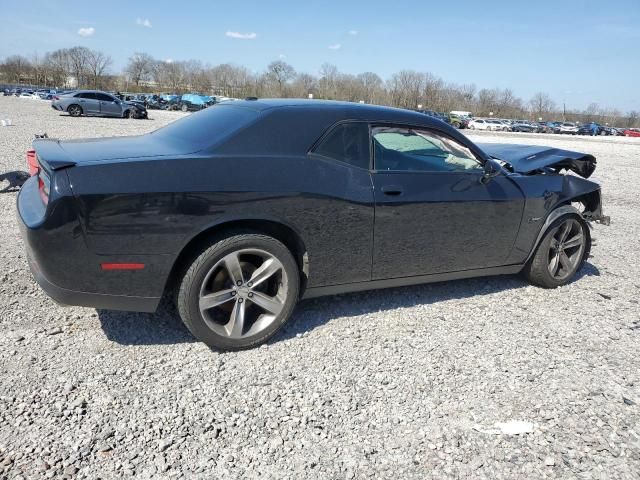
point(632, 132)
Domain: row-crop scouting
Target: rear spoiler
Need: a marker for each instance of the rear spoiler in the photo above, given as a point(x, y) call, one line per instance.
point(51, 155)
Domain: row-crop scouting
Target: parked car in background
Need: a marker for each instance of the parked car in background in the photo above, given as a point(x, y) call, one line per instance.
point(567, 128)
point(459, 121)
point(551, 127)
point(95, 102)
point(523, 126)
point(479, 124)
point(507, 123)
point(155, 102)
point(171, 102)
point(192, 102)
point(591, 129)
point(496, 125)
point(632, 132)
point(243, 208)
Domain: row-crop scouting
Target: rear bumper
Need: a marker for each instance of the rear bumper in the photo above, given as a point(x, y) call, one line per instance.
point(65, 296)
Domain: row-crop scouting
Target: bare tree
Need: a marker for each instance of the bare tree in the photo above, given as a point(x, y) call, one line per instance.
point(304, 84)
point(406, 88)
point(327, 82)
point(58, 67)
point(140, 67)
point(15, 68)
point(281, 72)
point(541, 105)
point(78, 64)
point(372, 86)
point(97, 64)
point(632, 119)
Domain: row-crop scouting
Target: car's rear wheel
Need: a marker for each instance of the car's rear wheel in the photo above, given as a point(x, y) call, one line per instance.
point(237, 293)
point(561, 253)
point(126, 114)
point(74, 110)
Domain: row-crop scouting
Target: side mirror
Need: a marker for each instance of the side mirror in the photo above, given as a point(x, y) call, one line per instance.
point(491, 170)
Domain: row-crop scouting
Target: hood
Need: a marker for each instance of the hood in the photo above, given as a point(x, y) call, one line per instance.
point(64, 153)
point(531, 158)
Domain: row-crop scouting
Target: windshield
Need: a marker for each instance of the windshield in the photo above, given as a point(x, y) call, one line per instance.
point(207, 127)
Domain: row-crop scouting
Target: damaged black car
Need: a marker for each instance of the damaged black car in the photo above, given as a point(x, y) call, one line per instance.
point(244, 208)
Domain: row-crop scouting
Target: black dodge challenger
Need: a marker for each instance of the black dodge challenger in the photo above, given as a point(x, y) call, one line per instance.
point(243, 208)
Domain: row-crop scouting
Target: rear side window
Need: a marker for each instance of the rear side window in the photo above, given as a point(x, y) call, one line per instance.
point(347, 142)
point(208, 127)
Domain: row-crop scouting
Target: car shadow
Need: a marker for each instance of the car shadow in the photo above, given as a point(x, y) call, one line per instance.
point(164, 327)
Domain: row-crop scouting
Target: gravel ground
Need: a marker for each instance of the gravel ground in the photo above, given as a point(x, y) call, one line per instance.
point(484, 378)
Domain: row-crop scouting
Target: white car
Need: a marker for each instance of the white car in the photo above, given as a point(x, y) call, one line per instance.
point(568, 128)
point(490, 124)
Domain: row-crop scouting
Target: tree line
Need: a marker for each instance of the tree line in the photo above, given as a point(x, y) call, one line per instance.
point(82, 67)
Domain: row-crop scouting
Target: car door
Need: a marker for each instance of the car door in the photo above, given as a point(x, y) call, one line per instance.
point(109, 106)
point(89, 103)
point(432, 212)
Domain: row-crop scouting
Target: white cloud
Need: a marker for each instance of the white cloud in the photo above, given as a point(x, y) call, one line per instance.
point(353, 32)
point(169, 60)
point(242, 36)
point(143, 22)
point(86, 31)
point(335, 46)
point(282, 56)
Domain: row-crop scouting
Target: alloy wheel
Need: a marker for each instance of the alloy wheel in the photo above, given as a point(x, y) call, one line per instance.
point(243, 293)
point(566, 249)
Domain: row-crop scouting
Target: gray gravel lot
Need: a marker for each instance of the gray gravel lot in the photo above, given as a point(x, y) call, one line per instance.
point(418, 382)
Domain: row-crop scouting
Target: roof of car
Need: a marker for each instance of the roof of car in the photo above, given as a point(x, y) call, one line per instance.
point(346, 109)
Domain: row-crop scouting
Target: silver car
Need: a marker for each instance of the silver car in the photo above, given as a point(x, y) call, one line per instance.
point(95, 102)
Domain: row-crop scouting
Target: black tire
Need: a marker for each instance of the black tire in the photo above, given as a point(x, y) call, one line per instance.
point(537, 269)
point(184, 108)
point(196, 274)
point(126, 114)
point(74, 110)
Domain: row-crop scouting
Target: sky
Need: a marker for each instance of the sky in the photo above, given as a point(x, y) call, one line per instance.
point(577, 51)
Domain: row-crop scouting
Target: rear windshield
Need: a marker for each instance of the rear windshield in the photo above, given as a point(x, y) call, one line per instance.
point(207, 127)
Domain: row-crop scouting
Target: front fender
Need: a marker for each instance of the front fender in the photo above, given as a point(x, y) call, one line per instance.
point(545, 195)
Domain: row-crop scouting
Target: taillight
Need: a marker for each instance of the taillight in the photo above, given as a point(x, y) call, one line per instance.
point(43, 188)
point(32, 162)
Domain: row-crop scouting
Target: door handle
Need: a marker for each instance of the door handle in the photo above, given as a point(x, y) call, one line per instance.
point(392, 190)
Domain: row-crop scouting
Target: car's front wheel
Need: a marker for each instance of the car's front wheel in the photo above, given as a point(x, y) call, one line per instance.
point(238, 292)
point(561, 253)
